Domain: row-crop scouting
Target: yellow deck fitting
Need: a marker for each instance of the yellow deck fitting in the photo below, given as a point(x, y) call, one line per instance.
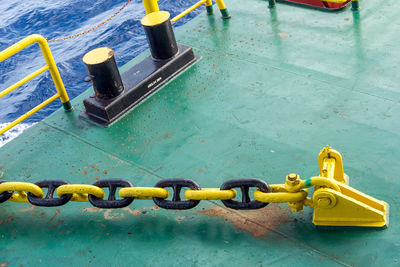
point(346, 206)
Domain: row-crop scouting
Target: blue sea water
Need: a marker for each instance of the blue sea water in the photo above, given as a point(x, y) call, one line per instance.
point(56, 19)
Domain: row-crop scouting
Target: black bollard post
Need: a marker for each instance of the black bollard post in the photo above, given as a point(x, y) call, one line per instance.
point(160, 35)
point(168, 59)
point(104, 73)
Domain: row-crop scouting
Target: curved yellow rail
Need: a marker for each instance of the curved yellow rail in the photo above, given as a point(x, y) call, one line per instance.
point(151, 6)
point(51, 66)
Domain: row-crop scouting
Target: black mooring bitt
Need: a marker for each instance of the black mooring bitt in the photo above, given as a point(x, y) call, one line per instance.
point(104, 73)
point(115, 94)
point(160, 35)
point(139, 82)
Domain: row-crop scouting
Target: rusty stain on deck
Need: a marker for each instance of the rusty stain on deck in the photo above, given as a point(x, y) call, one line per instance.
point(113, 215)
point(110, 214)
point(256, 222)
point(32, 207)
point(133, 212)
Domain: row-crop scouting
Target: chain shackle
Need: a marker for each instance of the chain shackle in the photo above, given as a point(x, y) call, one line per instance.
point(244, 185)
point(111, 202)
point(176, 202)
point(49, 200)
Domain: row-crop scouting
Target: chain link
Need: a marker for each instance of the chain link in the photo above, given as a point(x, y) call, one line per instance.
point(49, 200)
point(263, 193)
point(245, 185)
point(91, 29)
point(20, 189)
point(143, 192)
point(80, 192)
point(111, 202)
point(5, 195)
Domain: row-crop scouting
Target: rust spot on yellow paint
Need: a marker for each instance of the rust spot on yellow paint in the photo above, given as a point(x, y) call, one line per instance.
point(256, 222)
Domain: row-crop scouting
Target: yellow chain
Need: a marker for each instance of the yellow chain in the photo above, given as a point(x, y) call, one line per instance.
point(143, 192)
point(279, 197)
point(280, 193)
point(80, 191)
point(20, 188)
point(91, 29)
point(210, 194)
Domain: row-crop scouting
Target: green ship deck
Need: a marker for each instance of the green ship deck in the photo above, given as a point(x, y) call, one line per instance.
point(271, 89)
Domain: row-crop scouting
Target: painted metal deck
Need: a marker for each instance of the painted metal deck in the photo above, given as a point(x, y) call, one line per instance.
point(270, 91)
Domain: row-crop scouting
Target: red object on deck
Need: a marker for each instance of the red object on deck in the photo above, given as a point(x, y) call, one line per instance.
point(318, 3)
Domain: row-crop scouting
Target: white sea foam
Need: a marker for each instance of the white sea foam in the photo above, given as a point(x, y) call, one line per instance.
point(13, 132)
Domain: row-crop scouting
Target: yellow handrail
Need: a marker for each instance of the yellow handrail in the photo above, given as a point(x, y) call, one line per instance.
point(51, 66)
point(151, 6)
point(187, 11)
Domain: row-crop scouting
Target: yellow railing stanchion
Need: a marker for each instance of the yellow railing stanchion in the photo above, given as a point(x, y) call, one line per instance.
point(150, 6)
point(209, 7)
point(223, 9)
point(354, 5)
point(44, 46)
point(271, 3)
